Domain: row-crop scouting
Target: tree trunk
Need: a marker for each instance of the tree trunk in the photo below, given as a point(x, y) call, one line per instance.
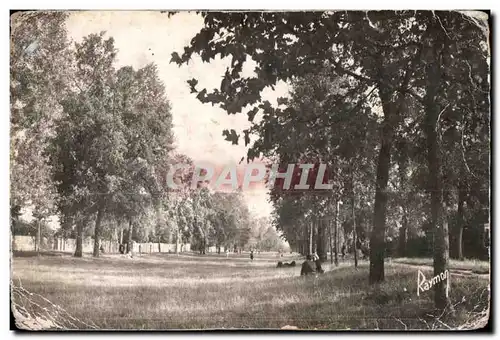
point(353, 213)
point(310, 237)
point(355, 234)
point(202, 238)
point(38, 237)
point(460, 253)
point(377, 237)
point(79, 240)
point(12, 233)
point(129, 239)
point(117, 236)
point(315, 233)
point(403, 165)
point(438, 209)
point(330, 238)
point(440, 226)
point(403, 235)
point(461, 221)
point(177, 240)
point(336, 233)
point(322, 240)
point(14, 220)
point(97, 233)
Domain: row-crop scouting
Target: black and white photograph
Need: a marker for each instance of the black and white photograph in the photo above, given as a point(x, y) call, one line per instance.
point(282, 170)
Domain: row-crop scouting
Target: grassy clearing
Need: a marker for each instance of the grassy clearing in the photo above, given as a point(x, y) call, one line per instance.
point(476, 266)
point(195, 292)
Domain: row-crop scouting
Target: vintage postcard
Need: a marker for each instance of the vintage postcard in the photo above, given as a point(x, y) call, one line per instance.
point(280, 170)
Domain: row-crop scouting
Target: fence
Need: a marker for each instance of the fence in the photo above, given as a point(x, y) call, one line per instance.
point(160, 247)
point(213, 249)
point(28, 243)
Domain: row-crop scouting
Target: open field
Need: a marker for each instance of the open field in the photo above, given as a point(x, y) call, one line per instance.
point(192, 292)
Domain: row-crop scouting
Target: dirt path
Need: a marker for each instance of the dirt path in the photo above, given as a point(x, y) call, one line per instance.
point(454, 271)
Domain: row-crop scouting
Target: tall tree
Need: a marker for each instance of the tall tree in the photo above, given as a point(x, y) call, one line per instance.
point(468, 44)
point(37, 84)
point(88, 149)
point(113, 140)
point(281, 46)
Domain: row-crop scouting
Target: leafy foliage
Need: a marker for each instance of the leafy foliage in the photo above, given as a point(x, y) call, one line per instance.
point(429, 71)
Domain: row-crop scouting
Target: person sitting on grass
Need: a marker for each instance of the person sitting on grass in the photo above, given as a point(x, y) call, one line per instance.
point(317, 263)
point(285, 264)
point(315, 257)
point(319, 269)
point(308, 267)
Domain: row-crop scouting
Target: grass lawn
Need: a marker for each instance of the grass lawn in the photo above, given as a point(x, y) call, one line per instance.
point(193, 292)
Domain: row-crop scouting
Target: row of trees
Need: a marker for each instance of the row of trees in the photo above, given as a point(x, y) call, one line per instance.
point(396, 102)
point(92, 144)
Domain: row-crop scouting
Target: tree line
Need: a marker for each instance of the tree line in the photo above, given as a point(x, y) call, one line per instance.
point(92, 144)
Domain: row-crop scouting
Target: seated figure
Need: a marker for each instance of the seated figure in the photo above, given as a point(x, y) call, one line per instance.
point(318, 266)
point(308, 267)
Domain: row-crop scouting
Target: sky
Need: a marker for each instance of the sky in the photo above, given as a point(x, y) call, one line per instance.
point(142, 37)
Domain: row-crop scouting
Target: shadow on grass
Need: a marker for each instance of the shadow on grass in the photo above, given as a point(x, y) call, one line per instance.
point(16, 253)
